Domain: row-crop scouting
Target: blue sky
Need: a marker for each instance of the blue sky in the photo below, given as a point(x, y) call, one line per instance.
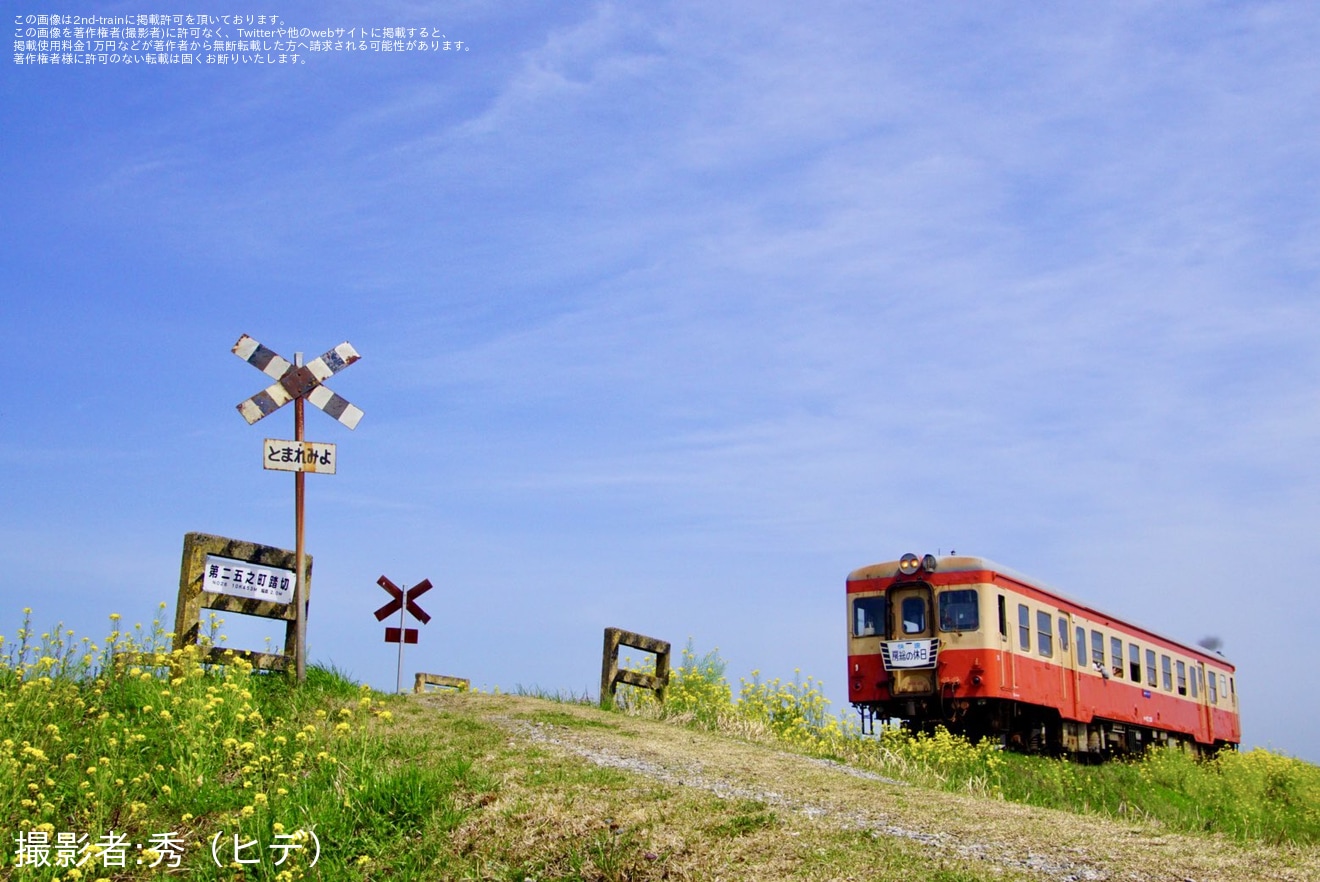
point(673, 314)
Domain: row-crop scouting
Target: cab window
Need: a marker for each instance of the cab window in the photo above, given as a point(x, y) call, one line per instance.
point(869, 616)
point(960, 611)
point(914, 615)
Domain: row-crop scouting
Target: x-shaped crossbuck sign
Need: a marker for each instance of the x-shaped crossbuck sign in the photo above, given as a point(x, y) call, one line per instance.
point(402, 598)
point(293, 381)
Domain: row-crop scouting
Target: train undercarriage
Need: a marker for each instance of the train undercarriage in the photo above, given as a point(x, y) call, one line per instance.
point(1026, 728)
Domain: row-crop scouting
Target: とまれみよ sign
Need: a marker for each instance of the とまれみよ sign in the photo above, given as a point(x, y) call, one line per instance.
point(298, 456)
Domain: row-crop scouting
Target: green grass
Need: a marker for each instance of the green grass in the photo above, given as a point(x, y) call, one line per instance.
point(1257, 796)
point(395, 790)
point(391, 790)
point(559, 718)
point(88, 747)
point(751, 816)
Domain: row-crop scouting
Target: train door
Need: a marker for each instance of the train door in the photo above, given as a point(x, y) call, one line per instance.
point(911, 619)
point(1068, 666)
point(1007, 663)
point(1203, 703)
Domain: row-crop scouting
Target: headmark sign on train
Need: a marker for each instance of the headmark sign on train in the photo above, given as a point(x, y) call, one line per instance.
point(241, 578)
point(909, 653)
point(298, 456)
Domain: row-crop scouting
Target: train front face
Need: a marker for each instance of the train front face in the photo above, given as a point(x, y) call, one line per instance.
point(917, 637)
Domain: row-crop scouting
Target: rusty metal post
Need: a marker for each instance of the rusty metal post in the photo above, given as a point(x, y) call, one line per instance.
point(403, 638)
point(300, 590)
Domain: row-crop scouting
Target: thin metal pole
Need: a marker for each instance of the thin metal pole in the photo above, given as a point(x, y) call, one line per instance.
point(398, 684)
point(300, 582)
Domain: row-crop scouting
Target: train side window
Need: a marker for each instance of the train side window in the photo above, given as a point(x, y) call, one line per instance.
point(960, 610)
point(1024, 627)
point(1097, 650)
point(914, 615)
point(1182, 677)
point(1210, 687)
point(1003, 619)
point(1232, 688)
point(1151, 676)
point(1166, 668)
point(1081, 646)
point(1223, 687)
point(1196, 677)
point(1044, 634)
point(1063, 637)
point(869, 616)
point(1116, 656)
point(1134, 662)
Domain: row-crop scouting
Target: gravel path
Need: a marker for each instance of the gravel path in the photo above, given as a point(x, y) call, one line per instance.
point(1046, 844)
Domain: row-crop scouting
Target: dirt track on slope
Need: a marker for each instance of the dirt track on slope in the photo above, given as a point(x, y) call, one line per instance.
point(1045, 843)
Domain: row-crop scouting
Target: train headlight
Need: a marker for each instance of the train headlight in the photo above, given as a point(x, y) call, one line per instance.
point(928, 563)
point(908, 564)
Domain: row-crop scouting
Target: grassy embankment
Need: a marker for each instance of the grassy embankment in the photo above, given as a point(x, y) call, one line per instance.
point(395, 791)
point(1258, 795)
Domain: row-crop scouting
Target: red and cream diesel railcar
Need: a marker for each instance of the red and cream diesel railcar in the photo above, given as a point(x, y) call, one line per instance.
point(965, 643)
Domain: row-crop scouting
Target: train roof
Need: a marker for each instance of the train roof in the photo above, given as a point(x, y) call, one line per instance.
point(966, 563)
